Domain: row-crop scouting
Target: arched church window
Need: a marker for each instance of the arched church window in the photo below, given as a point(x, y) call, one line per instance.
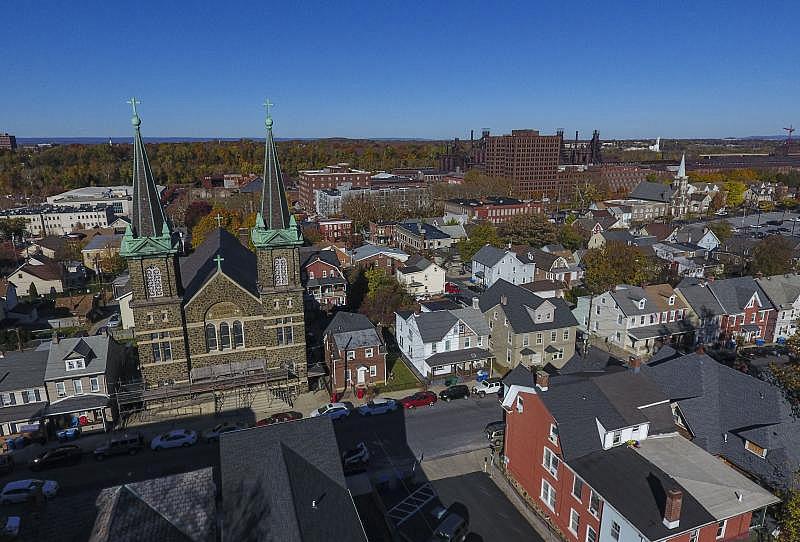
point(224, 336)
point(238, 334)
point(211, 337)
point(152, 277)
point(281, 272)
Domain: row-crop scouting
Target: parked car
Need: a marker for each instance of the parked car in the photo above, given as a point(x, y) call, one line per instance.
point(453, 528)
point(11, 528)
point(451, 288)
point(114, 321)
point(459, 391)
point(129, 443)
point(70, 433)
point(378, 406)
point(212, 435)
point(421, 398)
point(25, 490)
point(280, 417)
point(177, 438)
point(495, 430)
point(6, 463)
point(486, 387)
point(332, 410)
point(358, 455)
point(69, 454)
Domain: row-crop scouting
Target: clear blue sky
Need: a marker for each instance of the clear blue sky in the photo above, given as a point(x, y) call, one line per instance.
point(390, 69)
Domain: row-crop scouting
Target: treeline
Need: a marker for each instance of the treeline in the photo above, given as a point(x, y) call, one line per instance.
point(66, 167)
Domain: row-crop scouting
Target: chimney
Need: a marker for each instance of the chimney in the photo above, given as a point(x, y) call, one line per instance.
point(700, 350)
point(672, 508)
point(503, 300)
point(475, 303)
point(55, 337)
point(635, 363)
point(542, 380)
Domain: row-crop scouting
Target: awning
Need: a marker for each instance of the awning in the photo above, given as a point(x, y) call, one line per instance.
point(77, 403)
point(457, 356)
point(526, 352)
point(552, 349)
point(750, 328)
point(661, 330)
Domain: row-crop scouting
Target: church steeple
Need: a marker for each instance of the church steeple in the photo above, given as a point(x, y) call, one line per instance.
point(682, 167)
point(275, 226)
point(149, 231)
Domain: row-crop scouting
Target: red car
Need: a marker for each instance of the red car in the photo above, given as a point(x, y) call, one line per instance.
point(421, 398)
point(280, 417)
point(450, 288)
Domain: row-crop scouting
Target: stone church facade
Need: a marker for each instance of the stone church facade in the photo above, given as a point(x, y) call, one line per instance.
point(224, 309)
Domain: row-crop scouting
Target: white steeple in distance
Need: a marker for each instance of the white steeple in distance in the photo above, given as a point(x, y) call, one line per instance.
point(682, 167)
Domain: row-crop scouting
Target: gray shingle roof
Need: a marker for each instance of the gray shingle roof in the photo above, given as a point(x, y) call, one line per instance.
point(489, 255)
point(177, 508)
point(457, 356)
point(97, 351)
point(700, 298)
point(415, 264)
point(238, 263)
point(366, 251)
point(99, 242)
point(518, 302)
point(420, 228)
point(348, 321)
point(711, 396)
point(648, 191)
point(734, 293)
point(22, 370)
point(285, 482)
point(782, 290)
point(473, 318)
point(435, 325)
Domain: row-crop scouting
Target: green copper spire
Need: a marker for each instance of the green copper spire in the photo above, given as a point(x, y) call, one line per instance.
point(275, 226)
point(149, 232)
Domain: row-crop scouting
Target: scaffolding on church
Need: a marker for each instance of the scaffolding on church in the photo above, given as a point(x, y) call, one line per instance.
point(228, 385)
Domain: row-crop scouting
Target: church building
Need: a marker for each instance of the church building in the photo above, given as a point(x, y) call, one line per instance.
point(223, 313)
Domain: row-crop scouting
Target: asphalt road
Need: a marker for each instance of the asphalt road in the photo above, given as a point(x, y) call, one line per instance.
point(445, 428)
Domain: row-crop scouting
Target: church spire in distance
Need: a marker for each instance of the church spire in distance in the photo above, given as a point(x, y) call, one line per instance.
point(275, 226)
point(149, 231)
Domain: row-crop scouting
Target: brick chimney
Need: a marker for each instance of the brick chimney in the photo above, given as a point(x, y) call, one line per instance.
point(700, 350)
point(475, 303)
point(635, 363)
point(672, 508)
point(542, 380)
point(503, 300)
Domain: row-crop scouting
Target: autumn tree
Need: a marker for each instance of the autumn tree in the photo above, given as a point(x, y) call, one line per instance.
point(195, 211)
point(789, 517)
point(722, 229)
point(735, 190)
point(482, 234)
point(717, 202)
point(618, 263)
point(384, 297)
point(528, 229)
point(12, 228)
point(772, 256)
point(570, 237)
point(229, 220)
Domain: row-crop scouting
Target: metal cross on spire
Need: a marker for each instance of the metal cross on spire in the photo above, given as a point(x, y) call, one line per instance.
point(219, 259)
point(267, 105)
point(134, 102)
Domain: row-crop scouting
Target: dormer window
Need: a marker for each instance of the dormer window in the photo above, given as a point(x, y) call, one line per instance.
point(641, 304)
point(74, 364)
point(671, 300)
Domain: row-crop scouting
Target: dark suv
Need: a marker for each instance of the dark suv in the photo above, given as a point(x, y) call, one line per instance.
point(129, 443)
point(56, 457)
point(458, 391)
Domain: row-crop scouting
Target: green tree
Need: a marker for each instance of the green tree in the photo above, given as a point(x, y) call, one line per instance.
point(772, 256)
point(735, 191)
point(33, 291)
point(482, 234)
point(722, 229)
point(528, 229)
point(618, 263)
point(384, 297)
point(12, 228)
point(570, 237)
point(789, 517)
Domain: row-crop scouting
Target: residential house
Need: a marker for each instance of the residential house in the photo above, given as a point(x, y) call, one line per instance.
point(491, 264)
point(100, 252)
point(39, 275)
point(685, 260)
point(420, 277)
point(700, 202)
point(783, 292)
point(379, 257)
point(764, 192)
point(707, 399)
point(122, 291)
point(52, 246)
point(285, 481)
point(694, 234)
point(739, 308)
point(382, 233)
point(325, 284)
point(556, 267)
point(445, 343)
point(637, 319)
point(335, 230)
point(601, 456)
point(22, 390)
point(601, 239)
point(660, 230)
point(527, 329)
point(545, 288)
point(591, 225)
point(8, 297)
point(417, 236)
point(81, 375)
point(354, 352)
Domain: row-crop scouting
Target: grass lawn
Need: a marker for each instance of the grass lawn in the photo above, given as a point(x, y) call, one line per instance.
point(403, 379)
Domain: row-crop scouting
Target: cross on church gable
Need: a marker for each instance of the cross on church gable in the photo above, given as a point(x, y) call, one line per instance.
point(219, 259)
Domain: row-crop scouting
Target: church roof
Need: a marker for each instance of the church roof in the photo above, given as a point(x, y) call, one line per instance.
point(237, 262)
point(148, 216)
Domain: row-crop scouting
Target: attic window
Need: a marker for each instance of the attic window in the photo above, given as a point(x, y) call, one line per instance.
point(672, 300)
point(74, 364)
point(755, 449)
point(641, 304)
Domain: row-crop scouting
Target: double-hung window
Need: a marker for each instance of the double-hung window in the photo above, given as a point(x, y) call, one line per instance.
point(548, 495)
point(551, 462)
point(577, 487)
point(574, 521)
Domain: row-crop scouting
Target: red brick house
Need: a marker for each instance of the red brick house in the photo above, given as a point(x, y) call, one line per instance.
point(336, 230)
point(354, 352)
point(386, 258)
point(382, 233)
point(323, 280)
point(581, 449)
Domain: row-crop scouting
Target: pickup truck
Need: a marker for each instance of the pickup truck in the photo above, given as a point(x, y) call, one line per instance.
point(492, 385)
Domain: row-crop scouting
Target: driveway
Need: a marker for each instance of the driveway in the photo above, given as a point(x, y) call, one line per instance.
point(491, 515)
